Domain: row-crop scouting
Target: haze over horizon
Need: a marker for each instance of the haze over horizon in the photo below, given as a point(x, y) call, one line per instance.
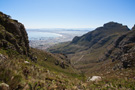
point(69, 13)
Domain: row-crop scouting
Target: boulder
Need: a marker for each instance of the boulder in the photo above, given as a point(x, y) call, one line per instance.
point(33, 58)
point(26, 62)
point(4, 86)
point(56, 62)
point(45, 59)
point(2, 57)
point(94, 78)
point(62, 65)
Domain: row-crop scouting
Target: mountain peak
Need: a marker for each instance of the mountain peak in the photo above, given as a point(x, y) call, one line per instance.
point(112, 24)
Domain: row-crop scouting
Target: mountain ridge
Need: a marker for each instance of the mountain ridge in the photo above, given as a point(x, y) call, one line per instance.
point(94, 47)
point(89, 39)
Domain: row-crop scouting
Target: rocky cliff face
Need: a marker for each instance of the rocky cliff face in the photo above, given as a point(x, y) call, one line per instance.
point(123, 51)
point(13, 35)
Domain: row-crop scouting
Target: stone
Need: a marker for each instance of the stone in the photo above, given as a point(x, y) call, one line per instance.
point(94, 78)
point(4, 86)
point(56, 62)
point(26, 62)
point(2, 57)
point(45, 59)
point(33, 58)
point(62, 65)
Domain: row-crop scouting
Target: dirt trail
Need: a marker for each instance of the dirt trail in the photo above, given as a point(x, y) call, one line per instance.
point(79, 59)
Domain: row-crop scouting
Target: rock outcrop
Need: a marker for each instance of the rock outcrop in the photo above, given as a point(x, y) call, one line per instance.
point(4, 86)
point(123, 50)
point(13, 35)
point(94, 78)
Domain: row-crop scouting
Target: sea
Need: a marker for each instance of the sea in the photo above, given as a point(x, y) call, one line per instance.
point(38, 35)
point(43, 34)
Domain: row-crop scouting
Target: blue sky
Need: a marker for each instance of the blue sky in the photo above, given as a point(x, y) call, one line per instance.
point(69, 13)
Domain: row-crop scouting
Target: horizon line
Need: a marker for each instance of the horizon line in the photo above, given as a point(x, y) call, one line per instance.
point(59, 28)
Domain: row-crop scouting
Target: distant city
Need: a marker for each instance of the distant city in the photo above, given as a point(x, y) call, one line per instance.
point(44, 38)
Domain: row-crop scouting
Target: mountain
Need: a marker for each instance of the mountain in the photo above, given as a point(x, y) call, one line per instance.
point(95, 38)
point(107, 51)
point(89, 49)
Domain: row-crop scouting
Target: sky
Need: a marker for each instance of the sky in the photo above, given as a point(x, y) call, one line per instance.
point(69, 13)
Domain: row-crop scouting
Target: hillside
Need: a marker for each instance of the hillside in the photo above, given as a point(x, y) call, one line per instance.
point(96, 38)
point(86, 51)
point(107, 51)
point(25, 68)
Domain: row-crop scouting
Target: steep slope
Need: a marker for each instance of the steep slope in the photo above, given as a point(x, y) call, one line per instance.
point(123, 50)
point(100, 35)
point(13, 35)
point(86, 51)
point(93, 37)
point(23, 68)
point(112, 57)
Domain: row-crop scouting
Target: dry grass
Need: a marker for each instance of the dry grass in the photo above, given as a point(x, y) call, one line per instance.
point(43, 75)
